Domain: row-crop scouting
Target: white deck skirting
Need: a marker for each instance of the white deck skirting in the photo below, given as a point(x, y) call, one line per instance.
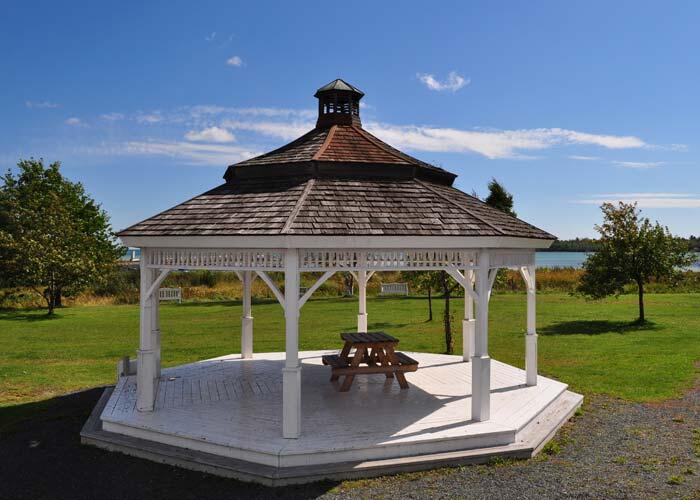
point(232, 407)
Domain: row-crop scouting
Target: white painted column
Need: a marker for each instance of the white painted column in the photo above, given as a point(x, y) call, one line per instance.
point(531, 337)
point(155, 323)
point(247, 318)
point(146, 382)
point(468, 323)
point(362, 294)
point(481, 362)
point(291, 373)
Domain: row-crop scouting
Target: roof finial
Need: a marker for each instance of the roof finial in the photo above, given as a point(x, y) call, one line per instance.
point(338, 104)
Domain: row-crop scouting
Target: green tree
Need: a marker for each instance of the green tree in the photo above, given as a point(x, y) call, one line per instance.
point(54, 238)
point(425, 281)
point(448, 286)
point(631, 250)
point(500, 198)
point(442, 282)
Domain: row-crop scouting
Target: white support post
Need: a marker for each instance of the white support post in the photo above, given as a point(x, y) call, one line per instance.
point(146, 381)
point(155, 326)
point(531, 337)
point(291, 373)
point(481, 362)
point(362, 294)
point(468, 323)
point(247, 318)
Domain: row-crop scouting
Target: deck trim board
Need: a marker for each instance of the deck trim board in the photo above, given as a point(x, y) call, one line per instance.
point(529, 442)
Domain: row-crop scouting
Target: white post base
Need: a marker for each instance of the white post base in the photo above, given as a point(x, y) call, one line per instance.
point(468, 330)
point(531, 358)
point(362, 323)
point(291, 402)
point(481, 388)
point(247, 337)
point(146, 381)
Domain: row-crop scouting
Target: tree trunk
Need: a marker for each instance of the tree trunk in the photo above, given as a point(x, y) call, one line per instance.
point(349, 284)
point(50, 299)
point(57, 298)
point(430, 305)
point(449, 341)
point(640, 290)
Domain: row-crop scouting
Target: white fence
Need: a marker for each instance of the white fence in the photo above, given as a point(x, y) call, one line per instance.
point(394, 289)
point(170, 294)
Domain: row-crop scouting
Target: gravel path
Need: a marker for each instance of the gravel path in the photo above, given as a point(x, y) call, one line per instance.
point(614, 449)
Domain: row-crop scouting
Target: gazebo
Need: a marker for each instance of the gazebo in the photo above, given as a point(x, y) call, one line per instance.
point(337, 199)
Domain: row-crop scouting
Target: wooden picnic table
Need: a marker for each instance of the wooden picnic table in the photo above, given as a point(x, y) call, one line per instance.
point(376, 351)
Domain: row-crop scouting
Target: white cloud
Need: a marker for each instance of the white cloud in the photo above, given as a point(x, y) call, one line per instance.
point(153, 117)
point(211, 134)
point(606, 141)
point(218, 124)
point(194, 115)
point(235, 61)
point(283, 130)
point(639, 164)
point(41, 104)
point(493, 143)
point(454, 82)
point(583, 158)
point(205, 154)
point(75, 122)
point(112, 117)
point(210, 37)
point(647, 200)
point(275, 112)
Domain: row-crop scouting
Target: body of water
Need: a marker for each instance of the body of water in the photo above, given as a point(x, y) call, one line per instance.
point(560, 259)
point(576, 259)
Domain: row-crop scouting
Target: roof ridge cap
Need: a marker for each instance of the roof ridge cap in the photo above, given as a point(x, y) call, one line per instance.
point(452, 202)
point(297, 206)
point(299, 140)
point(326, 143)
point(373, 140)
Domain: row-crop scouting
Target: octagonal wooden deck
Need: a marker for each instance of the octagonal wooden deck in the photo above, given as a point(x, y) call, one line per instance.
point(230, 409)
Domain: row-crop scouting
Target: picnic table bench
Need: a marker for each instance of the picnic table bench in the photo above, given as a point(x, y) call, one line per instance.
point(374, 350)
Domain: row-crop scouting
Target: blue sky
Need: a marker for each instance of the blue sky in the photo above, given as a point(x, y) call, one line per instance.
point(567, 103)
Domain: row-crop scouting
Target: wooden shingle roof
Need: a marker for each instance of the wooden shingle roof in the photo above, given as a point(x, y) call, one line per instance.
point(337, 179)
point(332, 207)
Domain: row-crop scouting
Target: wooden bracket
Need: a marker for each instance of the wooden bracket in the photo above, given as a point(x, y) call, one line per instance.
point(525, 272)
point(314, 287)
point(156, 284)
point(271, 284)
point(462, 280)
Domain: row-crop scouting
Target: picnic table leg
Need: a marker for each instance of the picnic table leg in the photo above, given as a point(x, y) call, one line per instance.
point(400, 377)
point(372, 356)
point(384, 362)
point(347, 382)
point(343, 355)
point(346, 350)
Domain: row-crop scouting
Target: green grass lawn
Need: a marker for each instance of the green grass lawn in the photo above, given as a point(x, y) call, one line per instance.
point(590, 345)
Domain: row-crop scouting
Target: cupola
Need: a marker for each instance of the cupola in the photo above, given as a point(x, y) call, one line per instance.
point(338, 104)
